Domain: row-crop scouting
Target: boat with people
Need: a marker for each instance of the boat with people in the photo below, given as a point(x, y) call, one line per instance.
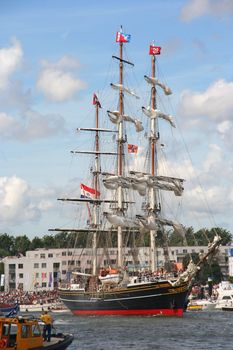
point(25, 333)
point(125, 209)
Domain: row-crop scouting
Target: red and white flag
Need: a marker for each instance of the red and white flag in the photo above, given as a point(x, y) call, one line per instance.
point(132, 148)
point(122, 37)
point(96, 101)
point(88, 192)
point(154, 50)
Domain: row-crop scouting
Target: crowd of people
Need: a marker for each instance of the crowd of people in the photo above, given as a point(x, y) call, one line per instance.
point(29, 298)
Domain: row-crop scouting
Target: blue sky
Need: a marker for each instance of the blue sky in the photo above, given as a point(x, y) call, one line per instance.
point(55, 54)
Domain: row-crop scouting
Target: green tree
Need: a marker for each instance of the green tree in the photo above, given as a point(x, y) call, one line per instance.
point(7, 245)
point(49, 241)
point(22, 244)
point(36, 243)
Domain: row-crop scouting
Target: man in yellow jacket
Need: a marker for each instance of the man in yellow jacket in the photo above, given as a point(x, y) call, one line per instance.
point(48, 321)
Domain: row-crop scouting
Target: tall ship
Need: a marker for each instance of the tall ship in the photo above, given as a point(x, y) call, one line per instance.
point(125, 207)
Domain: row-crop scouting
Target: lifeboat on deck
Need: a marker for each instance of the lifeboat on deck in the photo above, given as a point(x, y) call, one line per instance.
point(110, 276)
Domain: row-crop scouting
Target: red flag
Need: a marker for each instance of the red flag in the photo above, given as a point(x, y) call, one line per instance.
point(122, 37)
point(154, 50)
point(96, 101)
point(132, 148)
point(88, 192)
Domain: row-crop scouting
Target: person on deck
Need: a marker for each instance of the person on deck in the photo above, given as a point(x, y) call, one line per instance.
point(48, 321)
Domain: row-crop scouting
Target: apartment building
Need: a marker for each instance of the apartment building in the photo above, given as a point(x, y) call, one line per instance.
point(42, 269)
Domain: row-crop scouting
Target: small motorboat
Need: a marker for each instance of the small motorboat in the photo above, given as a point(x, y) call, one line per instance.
point(9, 309)
point(24, 333)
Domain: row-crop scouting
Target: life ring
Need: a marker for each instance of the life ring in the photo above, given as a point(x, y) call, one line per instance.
point(3, 343)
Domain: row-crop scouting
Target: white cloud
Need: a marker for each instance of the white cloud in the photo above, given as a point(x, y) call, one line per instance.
point(216, 102)
point(198, 8)
point(34, 126)
point(20, 203)
point(10, 58)
point(15, 202)
point(56, 81)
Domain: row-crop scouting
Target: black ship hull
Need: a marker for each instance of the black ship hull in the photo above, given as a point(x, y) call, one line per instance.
point(145, 299)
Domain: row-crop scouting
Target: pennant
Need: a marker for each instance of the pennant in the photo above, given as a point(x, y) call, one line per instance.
point(132, 148)
point(50, 279)
point(154, 50)
point(122, 37)
point(43, 275)
point(88, 192)
point(96, 101)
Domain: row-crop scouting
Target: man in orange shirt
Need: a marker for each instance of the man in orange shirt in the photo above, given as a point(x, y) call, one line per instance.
point(47, 319)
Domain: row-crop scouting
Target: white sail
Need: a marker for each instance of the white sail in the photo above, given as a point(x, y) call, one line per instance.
point(154, 81)
point(119, 220)
point(120, 87)
point(141, 183)
point(147, 222)
point(155, 113)
point(115, 118)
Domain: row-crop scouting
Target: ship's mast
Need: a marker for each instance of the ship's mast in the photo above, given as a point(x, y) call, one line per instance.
point(153, 166)
point(96, 173)
point(120, 155)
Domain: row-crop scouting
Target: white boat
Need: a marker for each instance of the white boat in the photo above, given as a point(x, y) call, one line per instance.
point(53, 307)
point(225, 295)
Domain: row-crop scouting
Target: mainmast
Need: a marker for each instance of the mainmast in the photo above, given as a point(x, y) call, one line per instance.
point(120, 38)
point(120, 152)
point(153, 200)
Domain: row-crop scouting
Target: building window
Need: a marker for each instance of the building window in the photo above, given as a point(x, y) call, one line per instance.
point(70, 253)
point(113, 261)
point(70, 262)
point(50, 255)
point(44, 265)
point(36, 266)
point(63, 263)
point(12, 266)
point(88, 262)
point(42, 256)
point(78, 262)
point(184, 251)
point(37, 275)
point(63, 253)
point(20, 275)
point(44, 285)
point(36, 255)
point(56, 265)
point(20, 266)
point(63, 272)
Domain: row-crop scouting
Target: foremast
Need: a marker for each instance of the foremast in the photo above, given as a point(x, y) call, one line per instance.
point(96, 180)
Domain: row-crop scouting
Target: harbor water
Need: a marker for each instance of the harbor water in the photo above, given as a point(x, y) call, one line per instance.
point(195, 330)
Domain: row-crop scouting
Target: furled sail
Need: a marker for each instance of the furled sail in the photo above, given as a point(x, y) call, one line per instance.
point(153, 222)
point(120, 87)
point(119, 220)
point(115, 118)
point(141, 183)
point(154, 81)
point(155, 113)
